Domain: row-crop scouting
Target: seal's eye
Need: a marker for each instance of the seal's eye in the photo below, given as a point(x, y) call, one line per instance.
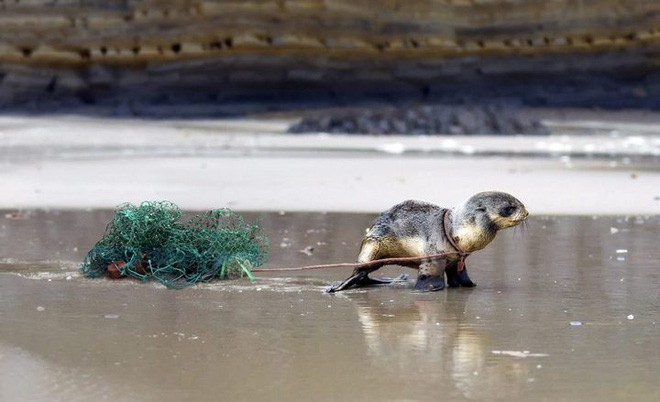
point(507, 211)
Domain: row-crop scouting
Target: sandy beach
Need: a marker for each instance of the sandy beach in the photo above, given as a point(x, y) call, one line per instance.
point(567, 296)
point(585, 167)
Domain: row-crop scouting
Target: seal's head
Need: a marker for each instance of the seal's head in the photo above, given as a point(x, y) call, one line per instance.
point(500, 209)
point(475, 222)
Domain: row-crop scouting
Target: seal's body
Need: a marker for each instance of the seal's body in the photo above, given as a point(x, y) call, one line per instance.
point(417, 229)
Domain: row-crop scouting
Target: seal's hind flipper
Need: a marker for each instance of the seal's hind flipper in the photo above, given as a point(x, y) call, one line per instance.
point(358, 280)
point(430, 283)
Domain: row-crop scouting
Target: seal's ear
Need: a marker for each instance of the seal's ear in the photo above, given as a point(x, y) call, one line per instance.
point(478, 213)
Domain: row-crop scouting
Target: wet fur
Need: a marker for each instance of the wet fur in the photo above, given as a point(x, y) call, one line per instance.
point(415, 228)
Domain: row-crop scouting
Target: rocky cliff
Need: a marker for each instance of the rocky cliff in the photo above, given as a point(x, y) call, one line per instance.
point(139, 56)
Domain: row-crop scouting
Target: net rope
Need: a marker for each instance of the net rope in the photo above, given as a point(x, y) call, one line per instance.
point(151, 242)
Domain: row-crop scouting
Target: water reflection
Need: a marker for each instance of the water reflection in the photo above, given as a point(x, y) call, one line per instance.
point(429, 337)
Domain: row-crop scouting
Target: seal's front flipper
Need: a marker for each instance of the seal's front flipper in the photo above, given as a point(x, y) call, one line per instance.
point(430, 283)
point(456, 278)
point(465, 280)
point(358, 280)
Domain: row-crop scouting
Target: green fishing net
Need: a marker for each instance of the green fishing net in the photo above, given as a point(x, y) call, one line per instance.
point(150, 241)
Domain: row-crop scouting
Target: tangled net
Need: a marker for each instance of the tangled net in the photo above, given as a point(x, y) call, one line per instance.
point(150, 242)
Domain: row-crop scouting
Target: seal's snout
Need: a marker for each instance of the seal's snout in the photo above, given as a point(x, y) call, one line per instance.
point(511, 215)
point(519, 217)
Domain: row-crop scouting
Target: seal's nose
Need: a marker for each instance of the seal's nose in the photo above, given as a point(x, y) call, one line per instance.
point(524, 214)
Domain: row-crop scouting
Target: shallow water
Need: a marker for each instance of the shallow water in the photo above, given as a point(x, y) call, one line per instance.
point(565, 310)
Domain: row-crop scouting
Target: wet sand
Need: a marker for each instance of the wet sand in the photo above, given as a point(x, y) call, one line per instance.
point(567, 310)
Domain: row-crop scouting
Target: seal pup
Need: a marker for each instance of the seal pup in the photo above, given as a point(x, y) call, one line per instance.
point(417, 228)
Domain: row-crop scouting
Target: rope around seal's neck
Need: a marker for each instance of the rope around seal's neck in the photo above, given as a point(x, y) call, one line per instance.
point(461, 262)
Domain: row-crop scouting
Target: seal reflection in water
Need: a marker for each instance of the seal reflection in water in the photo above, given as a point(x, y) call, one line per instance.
point(417, 228)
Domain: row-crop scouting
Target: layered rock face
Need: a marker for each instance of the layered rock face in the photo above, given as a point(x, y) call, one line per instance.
point(141, 56)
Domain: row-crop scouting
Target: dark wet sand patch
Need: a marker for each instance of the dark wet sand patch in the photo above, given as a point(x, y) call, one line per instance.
point(473, 119)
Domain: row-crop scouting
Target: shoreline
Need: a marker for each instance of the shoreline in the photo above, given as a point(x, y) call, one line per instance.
point(249, 164)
